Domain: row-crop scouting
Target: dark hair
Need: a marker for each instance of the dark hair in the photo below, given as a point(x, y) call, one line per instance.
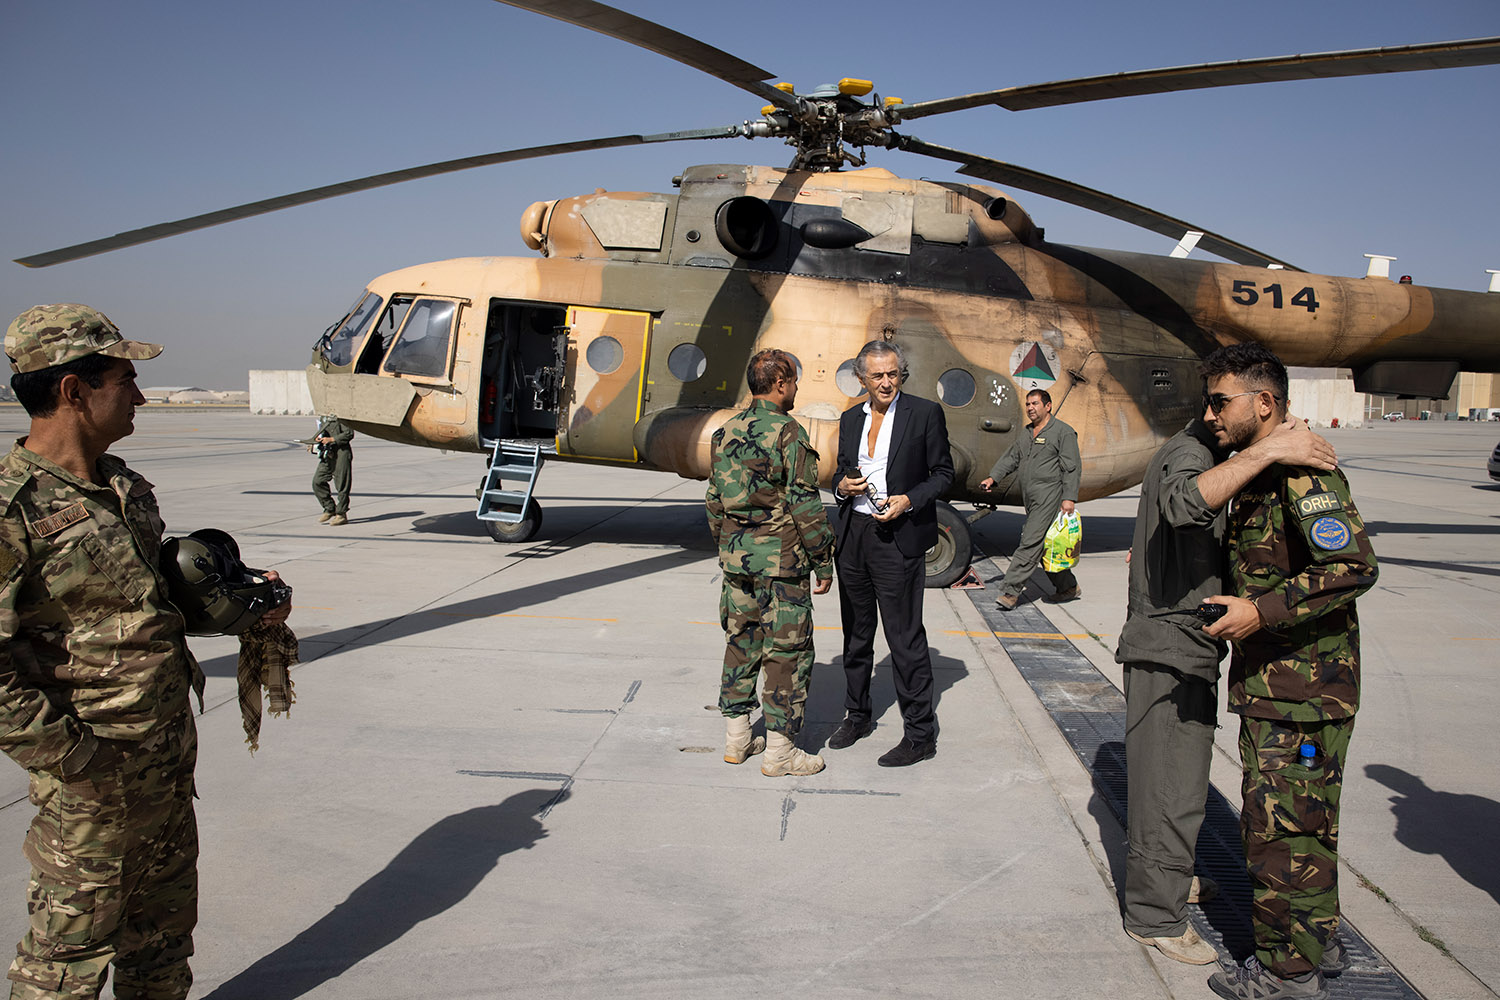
point(1253, 364)
point(37, 391)
point(766, 367)
point(1046, 396)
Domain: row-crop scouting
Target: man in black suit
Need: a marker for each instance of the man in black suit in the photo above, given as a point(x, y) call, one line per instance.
point(893, 465)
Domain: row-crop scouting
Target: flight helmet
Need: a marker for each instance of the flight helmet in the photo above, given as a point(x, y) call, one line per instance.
point(216, 593)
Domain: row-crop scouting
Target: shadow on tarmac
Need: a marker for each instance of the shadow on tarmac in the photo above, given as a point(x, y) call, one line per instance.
point(825, 702)
point(1458, 828)
point(1447, 567)
point(431, 874)
point(314, 647)
point(1101, 533)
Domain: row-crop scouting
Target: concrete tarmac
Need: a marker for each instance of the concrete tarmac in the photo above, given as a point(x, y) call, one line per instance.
point(503, 774)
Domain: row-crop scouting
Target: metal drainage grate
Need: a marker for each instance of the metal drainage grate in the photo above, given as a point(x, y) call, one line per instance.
point(1090, 713)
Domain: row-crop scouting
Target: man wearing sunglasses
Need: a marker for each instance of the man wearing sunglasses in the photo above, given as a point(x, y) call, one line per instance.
point(1171, 668)
point(1298, 559)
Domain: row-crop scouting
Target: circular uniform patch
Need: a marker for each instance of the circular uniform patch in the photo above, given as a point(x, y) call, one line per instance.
point(1330, 533)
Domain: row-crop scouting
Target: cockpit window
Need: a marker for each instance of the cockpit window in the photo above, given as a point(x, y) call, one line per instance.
point(422, 348)
point(339, 345)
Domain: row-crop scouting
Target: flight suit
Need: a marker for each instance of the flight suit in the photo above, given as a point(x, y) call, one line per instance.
point(1298, 549)
point(336, 463)
point(1171, 669)
point(768, 520)
point(94, 681)
point(1050, 469)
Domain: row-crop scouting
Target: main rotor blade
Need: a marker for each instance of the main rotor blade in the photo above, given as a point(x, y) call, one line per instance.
point(165, 229)
point(1011, 175)
point(1354, 62)
point(663, 41)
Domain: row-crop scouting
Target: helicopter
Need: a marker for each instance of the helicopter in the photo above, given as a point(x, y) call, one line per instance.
point(624, 342)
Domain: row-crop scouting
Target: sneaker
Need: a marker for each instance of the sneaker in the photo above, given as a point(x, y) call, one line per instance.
point(1187, 947)
point(1008, 602)
point(1202, 889)
point(1252, 981)
point(1063, 596)
point(1335, 959)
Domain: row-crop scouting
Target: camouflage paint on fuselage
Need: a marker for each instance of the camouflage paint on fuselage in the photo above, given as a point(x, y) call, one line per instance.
point(820, 263)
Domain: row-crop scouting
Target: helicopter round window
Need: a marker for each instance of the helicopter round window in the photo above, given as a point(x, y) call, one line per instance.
point(604, 354)
point(847, 381)
point(687, 362)
point(955, 387)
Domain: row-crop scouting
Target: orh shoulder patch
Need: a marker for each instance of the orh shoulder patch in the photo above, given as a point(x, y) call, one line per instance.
point(1317, 504)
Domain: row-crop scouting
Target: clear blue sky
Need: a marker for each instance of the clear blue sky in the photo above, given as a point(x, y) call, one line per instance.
point(117, 116)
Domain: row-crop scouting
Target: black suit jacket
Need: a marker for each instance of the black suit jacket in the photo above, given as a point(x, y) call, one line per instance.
point(918, 465)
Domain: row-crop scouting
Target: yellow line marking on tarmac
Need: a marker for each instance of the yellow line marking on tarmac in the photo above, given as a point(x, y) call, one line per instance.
point(510, 614)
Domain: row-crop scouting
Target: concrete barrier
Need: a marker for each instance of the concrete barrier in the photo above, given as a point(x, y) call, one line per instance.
point(273, 391)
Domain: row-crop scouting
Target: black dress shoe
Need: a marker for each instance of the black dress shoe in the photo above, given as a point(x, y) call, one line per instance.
point(907, 753)
point(849, 733)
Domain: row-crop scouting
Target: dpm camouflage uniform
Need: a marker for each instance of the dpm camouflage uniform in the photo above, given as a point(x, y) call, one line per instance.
point(94, 681)
point(1297, 548)
point(767, 518)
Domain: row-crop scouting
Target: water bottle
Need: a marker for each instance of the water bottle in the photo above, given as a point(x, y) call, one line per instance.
point(1310, 757)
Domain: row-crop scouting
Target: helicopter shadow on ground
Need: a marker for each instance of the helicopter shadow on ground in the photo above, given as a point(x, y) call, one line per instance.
point(1422, 528)
point(825, 699)
point(392, 516)
point(1444, 566)
point(314, 647)
point(433, 873)
point(1457, 827)
point(361, 494)
point(999, 531)
point(675, 523)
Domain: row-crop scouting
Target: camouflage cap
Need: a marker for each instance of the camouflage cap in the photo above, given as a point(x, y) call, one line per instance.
point(46, 336)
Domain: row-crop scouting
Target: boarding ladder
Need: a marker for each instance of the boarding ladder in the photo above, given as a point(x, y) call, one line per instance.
point(517, 462)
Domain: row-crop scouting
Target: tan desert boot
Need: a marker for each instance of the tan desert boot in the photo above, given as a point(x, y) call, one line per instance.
point(738, 743)
point(1187, 947)
point(783, 757)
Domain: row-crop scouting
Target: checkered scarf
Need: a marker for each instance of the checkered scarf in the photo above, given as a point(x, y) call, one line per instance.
point(267, 653)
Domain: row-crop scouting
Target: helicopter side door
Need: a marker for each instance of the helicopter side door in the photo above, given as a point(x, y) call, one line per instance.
point(605, 378)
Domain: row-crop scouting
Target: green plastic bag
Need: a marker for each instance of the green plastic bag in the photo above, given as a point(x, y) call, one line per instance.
point(1060, 547)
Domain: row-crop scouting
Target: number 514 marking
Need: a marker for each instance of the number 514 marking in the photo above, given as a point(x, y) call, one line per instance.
point(1246, 295)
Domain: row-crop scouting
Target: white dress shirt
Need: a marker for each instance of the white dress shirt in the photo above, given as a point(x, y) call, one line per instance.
point(872, 465)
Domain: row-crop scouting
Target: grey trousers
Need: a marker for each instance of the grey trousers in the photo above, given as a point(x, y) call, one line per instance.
point(1028, 553)
point(1169, 735)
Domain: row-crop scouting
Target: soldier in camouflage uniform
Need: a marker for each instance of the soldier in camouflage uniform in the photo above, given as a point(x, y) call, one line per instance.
point(1298, 559)
point(767, 518)
point(94, 676)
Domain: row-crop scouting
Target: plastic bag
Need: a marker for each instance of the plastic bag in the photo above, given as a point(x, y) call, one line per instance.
point(1060, 547)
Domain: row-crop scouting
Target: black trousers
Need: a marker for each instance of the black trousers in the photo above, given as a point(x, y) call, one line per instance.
point(878, 583)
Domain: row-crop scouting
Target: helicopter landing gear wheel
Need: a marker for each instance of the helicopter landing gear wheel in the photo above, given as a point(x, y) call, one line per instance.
point(522, 530)
point(948, 560)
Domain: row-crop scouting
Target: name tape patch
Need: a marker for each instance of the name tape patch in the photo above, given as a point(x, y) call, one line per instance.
point(1318, 503)
point(1330, 533)
point(53, 524)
